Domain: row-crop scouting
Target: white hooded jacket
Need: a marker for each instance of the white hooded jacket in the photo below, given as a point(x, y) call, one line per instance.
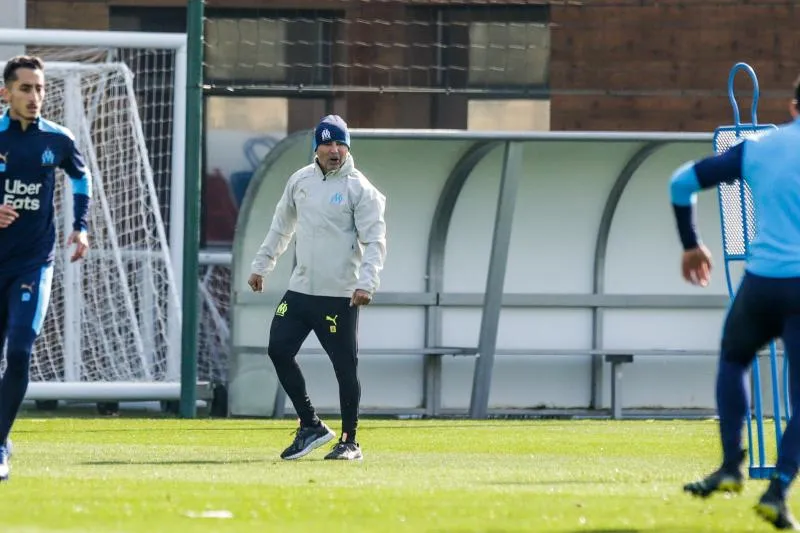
point(340, 232)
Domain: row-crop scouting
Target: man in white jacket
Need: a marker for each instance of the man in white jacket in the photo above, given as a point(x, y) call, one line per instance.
point(336, 215)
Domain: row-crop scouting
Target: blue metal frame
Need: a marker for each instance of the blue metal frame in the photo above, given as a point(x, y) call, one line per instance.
point(760, 470)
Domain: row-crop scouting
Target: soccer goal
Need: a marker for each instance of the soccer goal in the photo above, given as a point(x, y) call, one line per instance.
point(113, 328)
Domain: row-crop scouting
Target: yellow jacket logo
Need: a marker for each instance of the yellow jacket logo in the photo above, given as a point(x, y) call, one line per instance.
point(282, 308)
point(332, 319)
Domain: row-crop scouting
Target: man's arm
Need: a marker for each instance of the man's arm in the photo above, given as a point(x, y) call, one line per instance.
point(695, 176)
point(81, 183)
point(371, 231)
point(279, 235)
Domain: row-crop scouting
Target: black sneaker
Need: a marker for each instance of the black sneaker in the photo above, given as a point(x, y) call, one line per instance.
point(346, 451)
point(772, 508)
point(728, 478)
point(307, 439)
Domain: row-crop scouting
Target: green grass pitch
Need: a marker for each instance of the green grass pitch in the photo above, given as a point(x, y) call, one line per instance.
point(131, 475)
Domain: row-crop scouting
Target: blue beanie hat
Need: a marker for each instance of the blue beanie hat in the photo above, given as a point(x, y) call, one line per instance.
point(331, 128)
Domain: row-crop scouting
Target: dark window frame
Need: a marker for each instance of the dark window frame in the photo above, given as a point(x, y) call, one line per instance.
point(169, 19)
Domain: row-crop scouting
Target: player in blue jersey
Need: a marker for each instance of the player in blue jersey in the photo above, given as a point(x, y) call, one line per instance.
point(31, 148)
point(767, 303)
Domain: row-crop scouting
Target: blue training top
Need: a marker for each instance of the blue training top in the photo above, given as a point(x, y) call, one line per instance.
point(770, 164)
point(28, 160)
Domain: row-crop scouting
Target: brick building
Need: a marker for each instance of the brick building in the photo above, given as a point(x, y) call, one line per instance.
point(609, 64)
point(634, 65)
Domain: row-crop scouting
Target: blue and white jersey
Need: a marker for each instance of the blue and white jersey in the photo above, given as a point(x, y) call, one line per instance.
point(28, 162)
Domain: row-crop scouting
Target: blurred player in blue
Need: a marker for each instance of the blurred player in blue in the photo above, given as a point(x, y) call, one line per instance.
point(31, 148)
point(767, 302)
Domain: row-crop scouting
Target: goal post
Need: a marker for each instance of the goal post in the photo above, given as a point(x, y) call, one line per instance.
point(113, 330)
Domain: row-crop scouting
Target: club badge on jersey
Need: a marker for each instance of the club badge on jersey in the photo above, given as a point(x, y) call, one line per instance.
point(48, 158)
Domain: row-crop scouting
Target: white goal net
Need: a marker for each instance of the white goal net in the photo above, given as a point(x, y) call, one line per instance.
point(116, 316)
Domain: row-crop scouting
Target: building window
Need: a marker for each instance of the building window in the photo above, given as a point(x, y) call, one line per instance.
point(149, 19)
point(498, 48)
point(277, 49)
point(251, 49)
point(513, 53)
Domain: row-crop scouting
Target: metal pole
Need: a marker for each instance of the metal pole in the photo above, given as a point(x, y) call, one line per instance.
point(73, 292)
point(498, 260)
point(191, 245)
point(177, 215)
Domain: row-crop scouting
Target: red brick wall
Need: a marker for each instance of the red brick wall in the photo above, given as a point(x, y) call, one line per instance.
point(680, 54)
point(616, 64)
point(86, 15)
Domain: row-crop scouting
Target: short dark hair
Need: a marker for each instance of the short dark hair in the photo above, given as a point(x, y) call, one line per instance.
point(18, 62)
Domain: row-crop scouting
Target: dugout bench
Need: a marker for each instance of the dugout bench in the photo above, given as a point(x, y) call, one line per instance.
point(617, 358)
point(432, 371)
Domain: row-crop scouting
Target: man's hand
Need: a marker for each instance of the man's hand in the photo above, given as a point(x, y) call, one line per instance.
point(256, 282)
point(7, 215)
point(360, 297)
point(81, 242)
point(696, 266)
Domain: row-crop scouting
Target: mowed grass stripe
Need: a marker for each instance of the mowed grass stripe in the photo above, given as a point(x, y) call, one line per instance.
point(133, 475)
